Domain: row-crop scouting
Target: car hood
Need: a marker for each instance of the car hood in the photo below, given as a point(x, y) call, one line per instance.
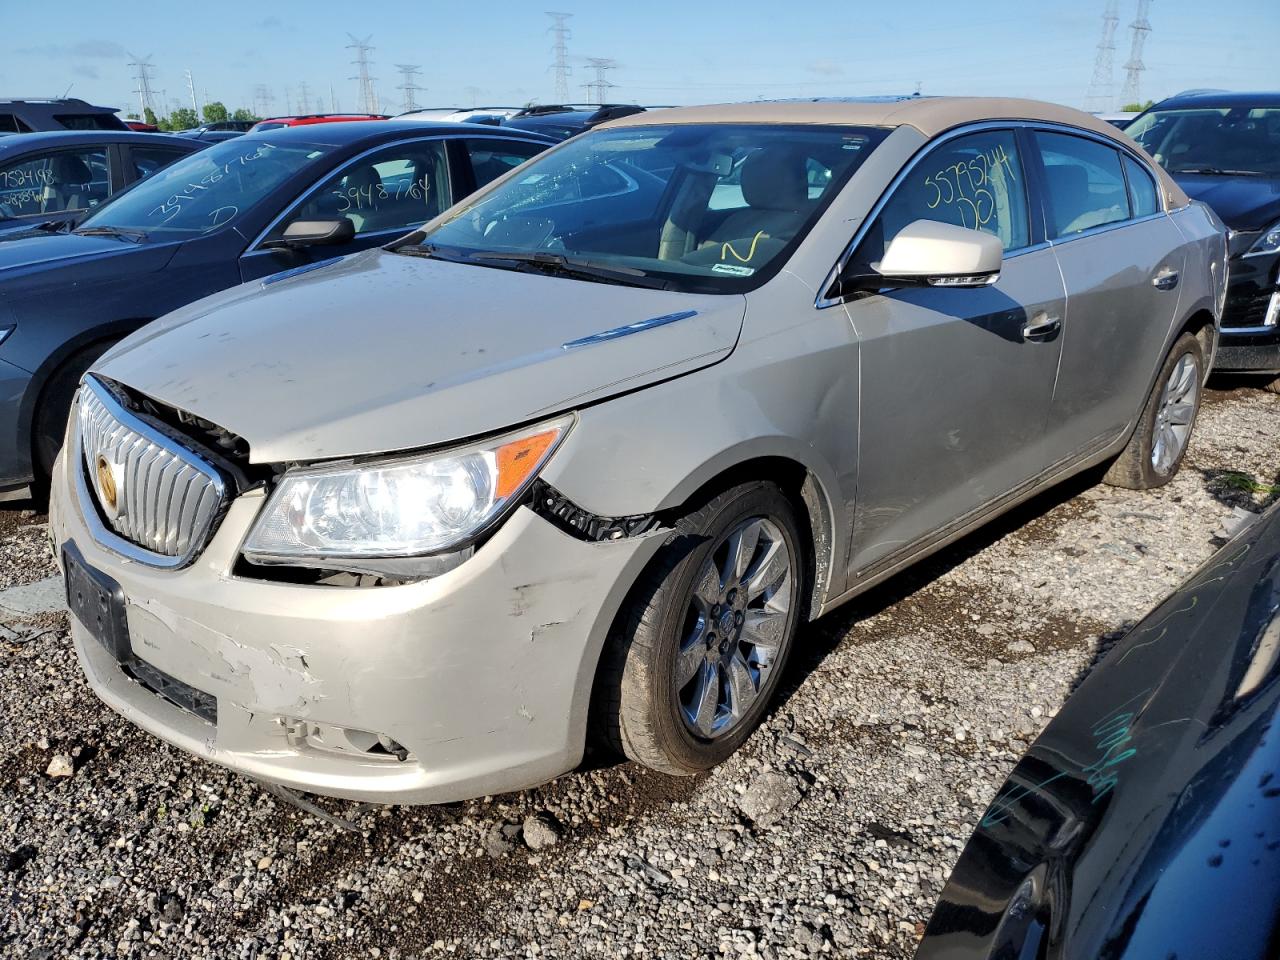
point(28, 254)
point(1243, 203)
point(381, 352)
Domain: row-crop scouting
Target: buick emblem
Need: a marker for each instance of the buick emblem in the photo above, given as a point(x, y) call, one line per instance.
point(107, 485)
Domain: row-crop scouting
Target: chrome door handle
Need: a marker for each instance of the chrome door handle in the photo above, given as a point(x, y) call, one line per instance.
point(1041, 327)
point(1165, 280)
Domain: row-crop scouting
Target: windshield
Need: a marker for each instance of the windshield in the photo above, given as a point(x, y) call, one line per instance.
point(712, 208)
point(206, 190)
point(1213, 140)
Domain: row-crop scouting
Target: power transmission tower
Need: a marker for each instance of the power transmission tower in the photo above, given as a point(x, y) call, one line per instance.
point(561, 67)
point(1101, 95)
point(368, 99)
point(597, 89)
point(263, 100)
point(409, 72)
point(333, 101)
point(191, 86)
point(1141, 26)
point(304, 98)
point(142, 76)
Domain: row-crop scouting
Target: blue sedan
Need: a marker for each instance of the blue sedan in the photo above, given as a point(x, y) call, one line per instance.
point(233, 213)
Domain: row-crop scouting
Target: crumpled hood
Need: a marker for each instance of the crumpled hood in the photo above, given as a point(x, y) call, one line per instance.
point(382, 352)
point(1243, 203)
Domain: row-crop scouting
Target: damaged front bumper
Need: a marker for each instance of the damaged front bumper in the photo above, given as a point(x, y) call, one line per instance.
point(474, 682)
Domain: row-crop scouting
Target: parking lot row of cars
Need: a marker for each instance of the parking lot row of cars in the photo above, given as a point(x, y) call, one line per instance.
point(403, 456)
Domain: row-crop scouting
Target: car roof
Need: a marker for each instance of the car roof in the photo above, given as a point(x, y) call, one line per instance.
point(1219, 98)
point(69, 138)
point(376, 131)
point(929, 115)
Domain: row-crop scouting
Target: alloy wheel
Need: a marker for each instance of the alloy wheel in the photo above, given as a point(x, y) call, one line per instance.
point(734, 628)
point(1175, 414)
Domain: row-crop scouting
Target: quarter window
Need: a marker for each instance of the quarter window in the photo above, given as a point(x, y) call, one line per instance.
point(975, 181)
point(1084, 184)
point(1143, 199)
point(9, 123)
point(397, 188)
point(68, 180)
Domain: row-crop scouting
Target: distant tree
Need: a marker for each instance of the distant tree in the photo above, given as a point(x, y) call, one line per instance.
point(184, 118)
point(214, 112)
point(246, 116)
point(149, 116)
point(131, 116)
point(1136, 107)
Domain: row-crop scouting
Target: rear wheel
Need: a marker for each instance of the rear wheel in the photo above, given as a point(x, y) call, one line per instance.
point(1163, 433)
point(695, 660)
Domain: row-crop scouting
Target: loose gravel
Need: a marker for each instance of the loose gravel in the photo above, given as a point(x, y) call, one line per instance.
point(830, 833)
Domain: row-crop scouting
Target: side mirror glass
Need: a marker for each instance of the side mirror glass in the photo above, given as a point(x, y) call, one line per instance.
point(928, 253)
point(315, 233)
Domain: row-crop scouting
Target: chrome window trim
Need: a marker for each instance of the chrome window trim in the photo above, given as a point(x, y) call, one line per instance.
point(103, 534)
point(823, 301)
point(317, 184)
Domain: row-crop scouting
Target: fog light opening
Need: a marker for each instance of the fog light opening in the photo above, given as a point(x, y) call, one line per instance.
point(310, 735)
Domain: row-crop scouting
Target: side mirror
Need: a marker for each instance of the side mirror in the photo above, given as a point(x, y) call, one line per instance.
point(928, 253)
point(314, 233)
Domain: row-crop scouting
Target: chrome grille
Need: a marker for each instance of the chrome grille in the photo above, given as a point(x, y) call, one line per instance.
point(153, 492)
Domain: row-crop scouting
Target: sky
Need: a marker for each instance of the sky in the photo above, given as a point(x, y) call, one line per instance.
point(499, 52)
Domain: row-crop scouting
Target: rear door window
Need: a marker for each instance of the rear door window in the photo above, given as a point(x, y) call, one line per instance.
point(147, 160)
point(10, 123)
point(56, 182)
point(1084, 184)
point(491, 158)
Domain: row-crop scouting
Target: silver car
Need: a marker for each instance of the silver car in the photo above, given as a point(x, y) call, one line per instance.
point(583, 455)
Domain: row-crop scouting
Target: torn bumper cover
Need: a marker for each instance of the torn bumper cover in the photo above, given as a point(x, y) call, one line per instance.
point(474, 682)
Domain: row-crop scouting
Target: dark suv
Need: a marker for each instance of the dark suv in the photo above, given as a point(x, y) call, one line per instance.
point(564, 120)
point(29, 116)
point(1224, 149)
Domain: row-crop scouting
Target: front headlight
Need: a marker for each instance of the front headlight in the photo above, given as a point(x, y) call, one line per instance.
point(1268, 242)
point(406, 507)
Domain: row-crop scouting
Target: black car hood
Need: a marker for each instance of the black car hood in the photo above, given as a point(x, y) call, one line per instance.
point(1243, 203)
point(1145, 820)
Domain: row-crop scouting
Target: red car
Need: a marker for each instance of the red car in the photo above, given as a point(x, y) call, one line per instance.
point(141, 127)
point(276, 123)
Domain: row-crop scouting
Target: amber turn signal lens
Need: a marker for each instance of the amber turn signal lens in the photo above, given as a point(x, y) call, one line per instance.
point(519, 458)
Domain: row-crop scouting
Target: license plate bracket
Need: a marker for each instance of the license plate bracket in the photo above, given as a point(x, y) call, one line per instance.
point(97, 601)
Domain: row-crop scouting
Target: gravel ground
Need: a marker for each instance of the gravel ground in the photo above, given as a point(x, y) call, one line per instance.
point(831, 832)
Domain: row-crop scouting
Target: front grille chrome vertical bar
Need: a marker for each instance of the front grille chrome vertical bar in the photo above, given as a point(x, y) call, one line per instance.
point(164, 499)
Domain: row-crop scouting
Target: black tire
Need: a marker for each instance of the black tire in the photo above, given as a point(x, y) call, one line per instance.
point(49, 425)
point(1134, 468)
point(638, 703)
point(1272, 385)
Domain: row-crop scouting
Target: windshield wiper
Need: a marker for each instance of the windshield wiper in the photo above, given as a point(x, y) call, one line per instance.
point(428, 250)
point(1220, 172)
point(557, 264)
point(123, 233)
point(55, 226)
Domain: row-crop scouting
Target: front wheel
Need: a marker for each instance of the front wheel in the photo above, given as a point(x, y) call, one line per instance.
point(696, 659)
point(1163, 433)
